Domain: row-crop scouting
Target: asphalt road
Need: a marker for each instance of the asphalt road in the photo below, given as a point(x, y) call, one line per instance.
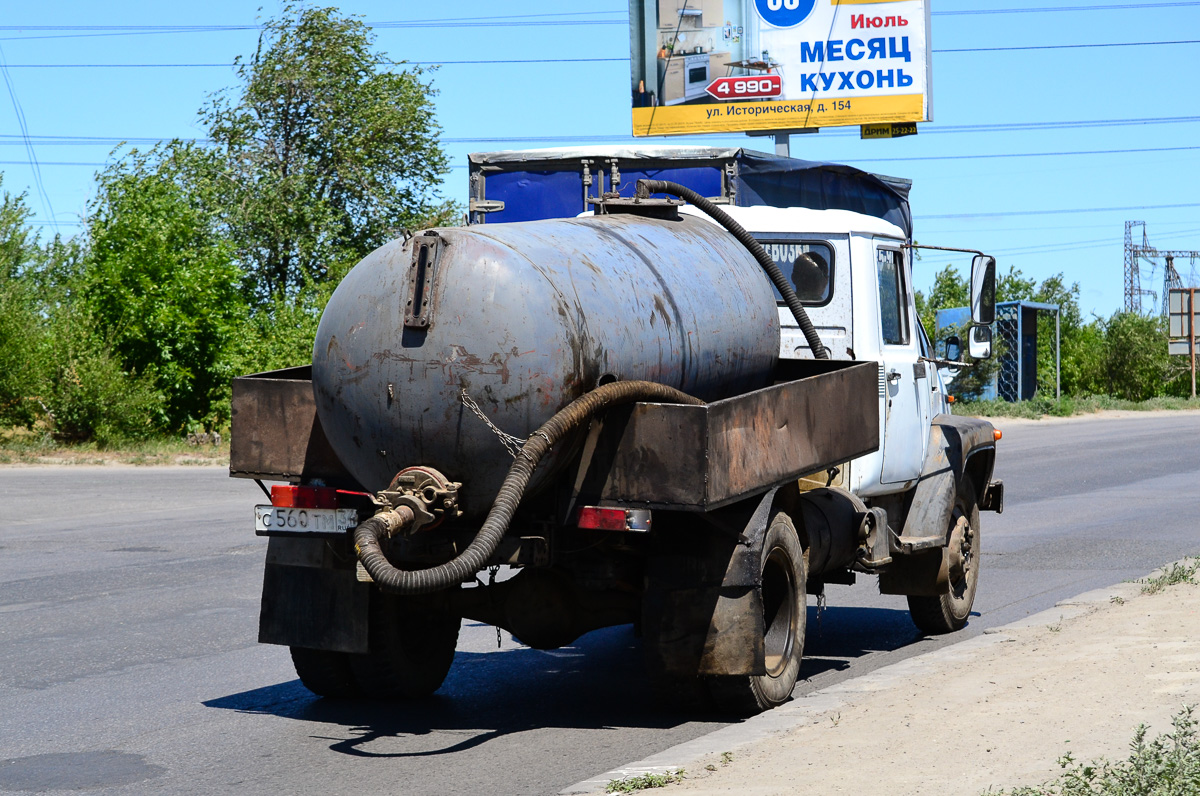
point(129, 603)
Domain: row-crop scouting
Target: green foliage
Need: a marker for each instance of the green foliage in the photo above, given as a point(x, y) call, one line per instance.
point(644, 781)
point(1168, 765)
point(327, 156)
point(1178, 572)
point(88, 395)
point(1136, 363)
point(160, 282)
point(1069, 406)
point(200, 262)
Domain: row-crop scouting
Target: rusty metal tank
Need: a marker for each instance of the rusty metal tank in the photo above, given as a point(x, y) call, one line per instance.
point(526, 317)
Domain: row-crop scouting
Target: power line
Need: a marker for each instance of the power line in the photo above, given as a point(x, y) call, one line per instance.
point(623, 59)
point(19, 112)
point(949, 216)
point(1030, 154)
point(520, 20)
point(1064, 46)
point(73, 140)
point(1043, 9)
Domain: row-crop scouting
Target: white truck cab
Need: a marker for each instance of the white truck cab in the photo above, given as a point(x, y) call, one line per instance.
point(860, 299)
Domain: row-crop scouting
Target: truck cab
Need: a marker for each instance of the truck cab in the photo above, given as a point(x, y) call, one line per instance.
point(860, 299)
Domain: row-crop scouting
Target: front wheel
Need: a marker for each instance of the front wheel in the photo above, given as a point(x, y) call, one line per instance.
point(949, 612)
point(785, 606)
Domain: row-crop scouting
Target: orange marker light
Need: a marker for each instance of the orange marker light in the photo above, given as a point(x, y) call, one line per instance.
point(949, 399)
point(997, 434)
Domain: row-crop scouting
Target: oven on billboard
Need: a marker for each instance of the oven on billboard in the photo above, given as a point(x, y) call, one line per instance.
point(709, 66)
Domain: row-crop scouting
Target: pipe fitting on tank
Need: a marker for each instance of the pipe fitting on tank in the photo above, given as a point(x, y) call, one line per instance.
point(428, 495)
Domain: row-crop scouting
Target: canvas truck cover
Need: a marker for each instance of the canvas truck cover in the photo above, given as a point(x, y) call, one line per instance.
point(555, 183)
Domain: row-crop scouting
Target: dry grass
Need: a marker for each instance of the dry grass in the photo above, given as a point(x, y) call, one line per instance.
point(20, 446)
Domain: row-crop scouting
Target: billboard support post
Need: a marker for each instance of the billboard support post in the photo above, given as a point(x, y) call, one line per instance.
point(1192, 335)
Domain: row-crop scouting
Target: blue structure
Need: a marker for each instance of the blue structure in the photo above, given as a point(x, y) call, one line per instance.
point(1016, 326)
point(557, 183)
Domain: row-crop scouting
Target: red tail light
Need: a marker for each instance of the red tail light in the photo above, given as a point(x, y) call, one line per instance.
point(303, 497)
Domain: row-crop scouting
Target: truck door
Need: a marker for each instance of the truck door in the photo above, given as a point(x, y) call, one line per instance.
point(903, 379)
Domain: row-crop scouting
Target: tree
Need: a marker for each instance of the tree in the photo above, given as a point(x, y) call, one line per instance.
point(159, 283)
point(326, 156)
point(19, 323)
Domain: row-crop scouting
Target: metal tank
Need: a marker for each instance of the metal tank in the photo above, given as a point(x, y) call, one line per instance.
point(526, 317)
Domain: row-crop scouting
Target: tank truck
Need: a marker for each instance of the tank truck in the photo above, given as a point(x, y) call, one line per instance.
point(678, 388)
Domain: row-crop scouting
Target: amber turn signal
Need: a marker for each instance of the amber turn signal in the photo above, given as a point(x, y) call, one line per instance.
point(997, 433)
point(949, 399)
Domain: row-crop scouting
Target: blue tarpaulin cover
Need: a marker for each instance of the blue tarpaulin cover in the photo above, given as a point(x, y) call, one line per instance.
point(548, 183)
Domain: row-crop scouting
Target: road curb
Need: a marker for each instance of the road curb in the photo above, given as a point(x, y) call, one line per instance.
point(821, 705)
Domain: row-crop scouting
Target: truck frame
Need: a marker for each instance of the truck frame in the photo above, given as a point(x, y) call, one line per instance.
point(705, 526)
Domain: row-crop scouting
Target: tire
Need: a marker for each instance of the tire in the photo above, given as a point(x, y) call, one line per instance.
point(412, 646)
point(325, 673)
point(785, 606)
point(949, 612)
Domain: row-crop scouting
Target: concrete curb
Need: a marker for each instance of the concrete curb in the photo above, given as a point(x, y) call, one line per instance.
point(823, 705)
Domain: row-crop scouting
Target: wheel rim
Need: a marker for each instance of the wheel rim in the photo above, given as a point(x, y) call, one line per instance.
point(779, 611)
point(962, 555)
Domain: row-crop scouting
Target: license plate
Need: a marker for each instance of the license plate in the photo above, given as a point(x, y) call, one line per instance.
point(280, 521)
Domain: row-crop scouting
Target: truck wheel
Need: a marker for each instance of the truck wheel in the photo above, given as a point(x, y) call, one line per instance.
point(412, 646)
point(325, 673)
point(949, 612)
point(785, 607)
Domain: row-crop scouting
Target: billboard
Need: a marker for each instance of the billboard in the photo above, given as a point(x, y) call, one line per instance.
point(711, 66)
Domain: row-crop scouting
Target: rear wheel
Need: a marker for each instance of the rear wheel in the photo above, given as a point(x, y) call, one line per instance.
point(412, 645)
point(785, 606)
point(949, 612)
point(325, 673)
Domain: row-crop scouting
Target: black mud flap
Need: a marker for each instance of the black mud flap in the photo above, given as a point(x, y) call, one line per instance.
point(312, 598)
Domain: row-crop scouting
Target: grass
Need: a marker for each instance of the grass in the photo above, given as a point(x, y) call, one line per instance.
point(1068, 406)
point(1168, 765)
point(21, 446)
point(1179, 572)
point(644, 782)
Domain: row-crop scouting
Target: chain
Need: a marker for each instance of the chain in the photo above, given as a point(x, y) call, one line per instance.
point(820, 609)
point(492, 570)
point(511, 444)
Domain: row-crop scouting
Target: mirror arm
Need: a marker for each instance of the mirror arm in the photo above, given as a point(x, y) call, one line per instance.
point(946, 362)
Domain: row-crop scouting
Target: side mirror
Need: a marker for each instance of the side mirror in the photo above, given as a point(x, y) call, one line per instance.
point(983, 290)
point(980, 342)
point(953, 348)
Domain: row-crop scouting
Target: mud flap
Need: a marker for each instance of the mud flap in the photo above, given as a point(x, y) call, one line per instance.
point(705, 608)
point(309, 601)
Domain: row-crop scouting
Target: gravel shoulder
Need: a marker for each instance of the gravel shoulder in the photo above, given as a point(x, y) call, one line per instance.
point(996, 711)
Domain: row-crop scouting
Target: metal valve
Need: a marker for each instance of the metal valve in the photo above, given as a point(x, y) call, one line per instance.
point(431, 496)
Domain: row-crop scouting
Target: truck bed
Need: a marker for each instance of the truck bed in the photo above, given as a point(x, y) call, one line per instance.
point(692, 458)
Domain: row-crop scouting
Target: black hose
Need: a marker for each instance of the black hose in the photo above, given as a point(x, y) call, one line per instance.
point(475, 557)
point(647, 187)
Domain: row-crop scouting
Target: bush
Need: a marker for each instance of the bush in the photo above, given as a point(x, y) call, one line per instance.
point(87, 395)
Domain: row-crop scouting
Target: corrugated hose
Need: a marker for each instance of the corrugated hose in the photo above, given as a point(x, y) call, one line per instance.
point(475, 557)
point(648, 187)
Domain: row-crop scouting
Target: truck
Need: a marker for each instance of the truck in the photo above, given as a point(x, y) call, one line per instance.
point(678, 388)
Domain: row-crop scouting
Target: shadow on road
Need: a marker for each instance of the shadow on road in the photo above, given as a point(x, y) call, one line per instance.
point(596, 683)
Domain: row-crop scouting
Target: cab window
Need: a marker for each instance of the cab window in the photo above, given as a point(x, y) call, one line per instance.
point(893, 315)
point(808, 265)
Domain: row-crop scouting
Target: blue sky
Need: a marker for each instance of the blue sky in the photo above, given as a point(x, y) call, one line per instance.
point(1045, 211)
